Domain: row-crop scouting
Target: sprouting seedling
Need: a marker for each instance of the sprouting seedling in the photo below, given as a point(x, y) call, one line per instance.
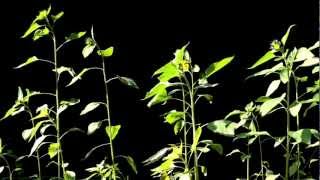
point(292, 68)
point(47, 116)
point(105, 169)
point(177, 83)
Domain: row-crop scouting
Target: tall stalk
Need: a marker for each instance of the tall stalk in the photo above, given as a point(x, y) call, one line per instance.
point(185, 141)
point(288, 126)
point(248, 162)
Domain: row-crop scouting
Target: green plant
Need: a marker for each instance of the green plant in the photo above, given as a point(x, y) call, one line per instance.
point(47, 116)
point(105, 169)
point(177, 82)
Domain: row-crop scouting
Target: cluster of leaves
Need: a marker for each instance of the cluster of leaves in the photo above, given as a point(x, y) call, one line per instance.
point(177, 83)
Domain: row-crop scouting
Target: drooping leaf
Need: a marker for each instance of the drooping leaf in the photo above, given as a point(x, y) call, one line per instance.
point(158, 94)
point(295, 109)
point(267, 72)
point(223, 127)
point(128, 81)
point(157, 156)
point(208, 97)
point(174, 116)
point(216, 66)
point(88, 49)
point(112, 131)
point(178, 126)
point(43, 111)
point(294, 167)
point(272, 176)
point(273, 87)
point(53, 149)
point(302, 135)
point(217, 147)
point(56, 17)
point(62, 69)
point(92, 127)
point(27, 62)
point(106, 53)
point(278, 141)
point(232, 113)
point(40, 32)
point(36, 144)
point(303, 54)
point(268, 105)
point(64, 104)
point(77, 77)
point(234, 152)
point(34, 26)
point(315, 46)
point(131, 163)
point(75, 35)
point(284, 76)
point(265, 58)
point(70, 175)
point(196, 139)
point(286, 35)
point(90, 107)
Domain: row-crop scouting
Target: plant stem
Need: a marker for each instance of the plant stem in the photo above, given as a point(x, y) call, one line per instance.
point(297, 123)
point(248, 162)
point(184, 129)
point(8, 166)
point(193, 120)
point(260, 149)
point(288, 129)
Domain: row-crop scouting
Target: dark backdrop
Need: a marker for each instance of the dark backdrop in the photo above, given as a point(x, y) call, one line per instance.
point(145, 35)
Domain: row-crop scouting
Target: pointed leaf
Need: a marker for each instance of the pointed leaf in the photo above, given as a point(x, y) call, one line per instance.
point(265, 58)
point(216, 66)
point(56, 17)
point(315, 46)
point(223, 127)
point(53, 149)
point(70, 175)
point(196, 139)
point(112, 131)
point(39, 33)
point(87, 50)
point(27, 62)
point(106, 53)
point(301, 136)
point(272, 176)
point(1, 169)
point(157, 156)
point(36, 144)
point(267, 106)
point(178, 127)
point(167, 72)
point(294, 167)
point(284, 76)
point(273, 87)
point(295, 109)
point(131, 163)
point(75, 35)
point(129, 82)
point(174, 116)
point(90, 107)
point(285, 37)
point(93, 127)
point(34, 26)
point(303, 54)
point(279, 141)
point(217, 147)
point(310, 62)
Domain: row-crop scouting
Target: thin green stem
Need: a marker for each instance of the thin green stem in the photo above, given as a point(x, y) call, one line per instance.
point(248, 162)
point(184, 129)
point(8, 166)
point(287, 130)
point(260, 148)
point(296, 85)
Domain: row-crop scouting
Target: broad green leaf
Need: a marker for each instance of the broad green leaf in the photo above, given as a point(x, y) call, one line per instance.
point(39, 33)
point(112, 131)
point(158, 94)
point(33, 132)
point(64, 104)
point(164, 167)
point(273, 87)
point(310, 62)
point(216, 66)
point(131, 163)
point(167, 72)
point(77, 77)
point(178, 126)
point(294, 167)
point(284, 76)
point(295, 109)
point(278, 141)
point(88, 49)
point(285, 37)
point(70, 175)
point(26, 134)
point(315, 46)
point(303, 54)
point(196, 68)
point(180, 54)
point(1, 169)
point(75, 35)
point(267, 72)
point(27, 62)
point(14, 110)
point(36, 144)
point(53, 149)
point(157, 156)
point(223, 127)
point(90, 107)
point(92, 127)
point(174, 116)
point(128, 81)
point(267, 106)
point(43, 14)
point(232, 113)
point(196, 139)
point(43, 111)
point(34, 26)
point(302, 136)
point(315, 69)
point(106, 53)
point(272, 176)
point(217, 147)
point(265, 58)
point(62, 69)
point(56, 17)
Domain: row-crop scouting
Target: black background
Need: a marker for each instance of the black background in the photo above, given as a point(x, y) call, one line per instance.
point(145, 35)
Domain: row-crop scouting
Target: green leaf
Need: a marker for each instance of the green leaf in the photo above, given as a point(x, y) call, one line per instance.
point(63, 69)
point(216, 66)
point(232, 113)
point(53, 149)
point(43, 111)
point(174, 116)
point(56, 17)
point(303, 54)
point(70, 175)
point(88, 49)
point(223, 127)
point(267, 72)
point(234, 152)
point(196, 139)
point(66, 103)
point(27, 62)
point(167, 72)
point(302, 135)
point(310, 62)
point(285, 37)
point(158, 94)
point(33, 132)
point(157, 156)
point(295, 109)
point(112, 131)
point(1, 169)
point(315, 46)
point(106, 53)
point(284, 76)
point(77, 77)
point(178, 126)
point(294, 167)
point(131, 163)
point(315, 69)
point(278, 141)
point(128, 81)
point(217, 147)
point(34, 26)
point(75, 35)
point(92, 127)
point(273, 87)
point(90, 107)
point(39, 33)
point(272, 176)
point(268, 105)
point(37, 144)
point(43, 14)
point(265, 58)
